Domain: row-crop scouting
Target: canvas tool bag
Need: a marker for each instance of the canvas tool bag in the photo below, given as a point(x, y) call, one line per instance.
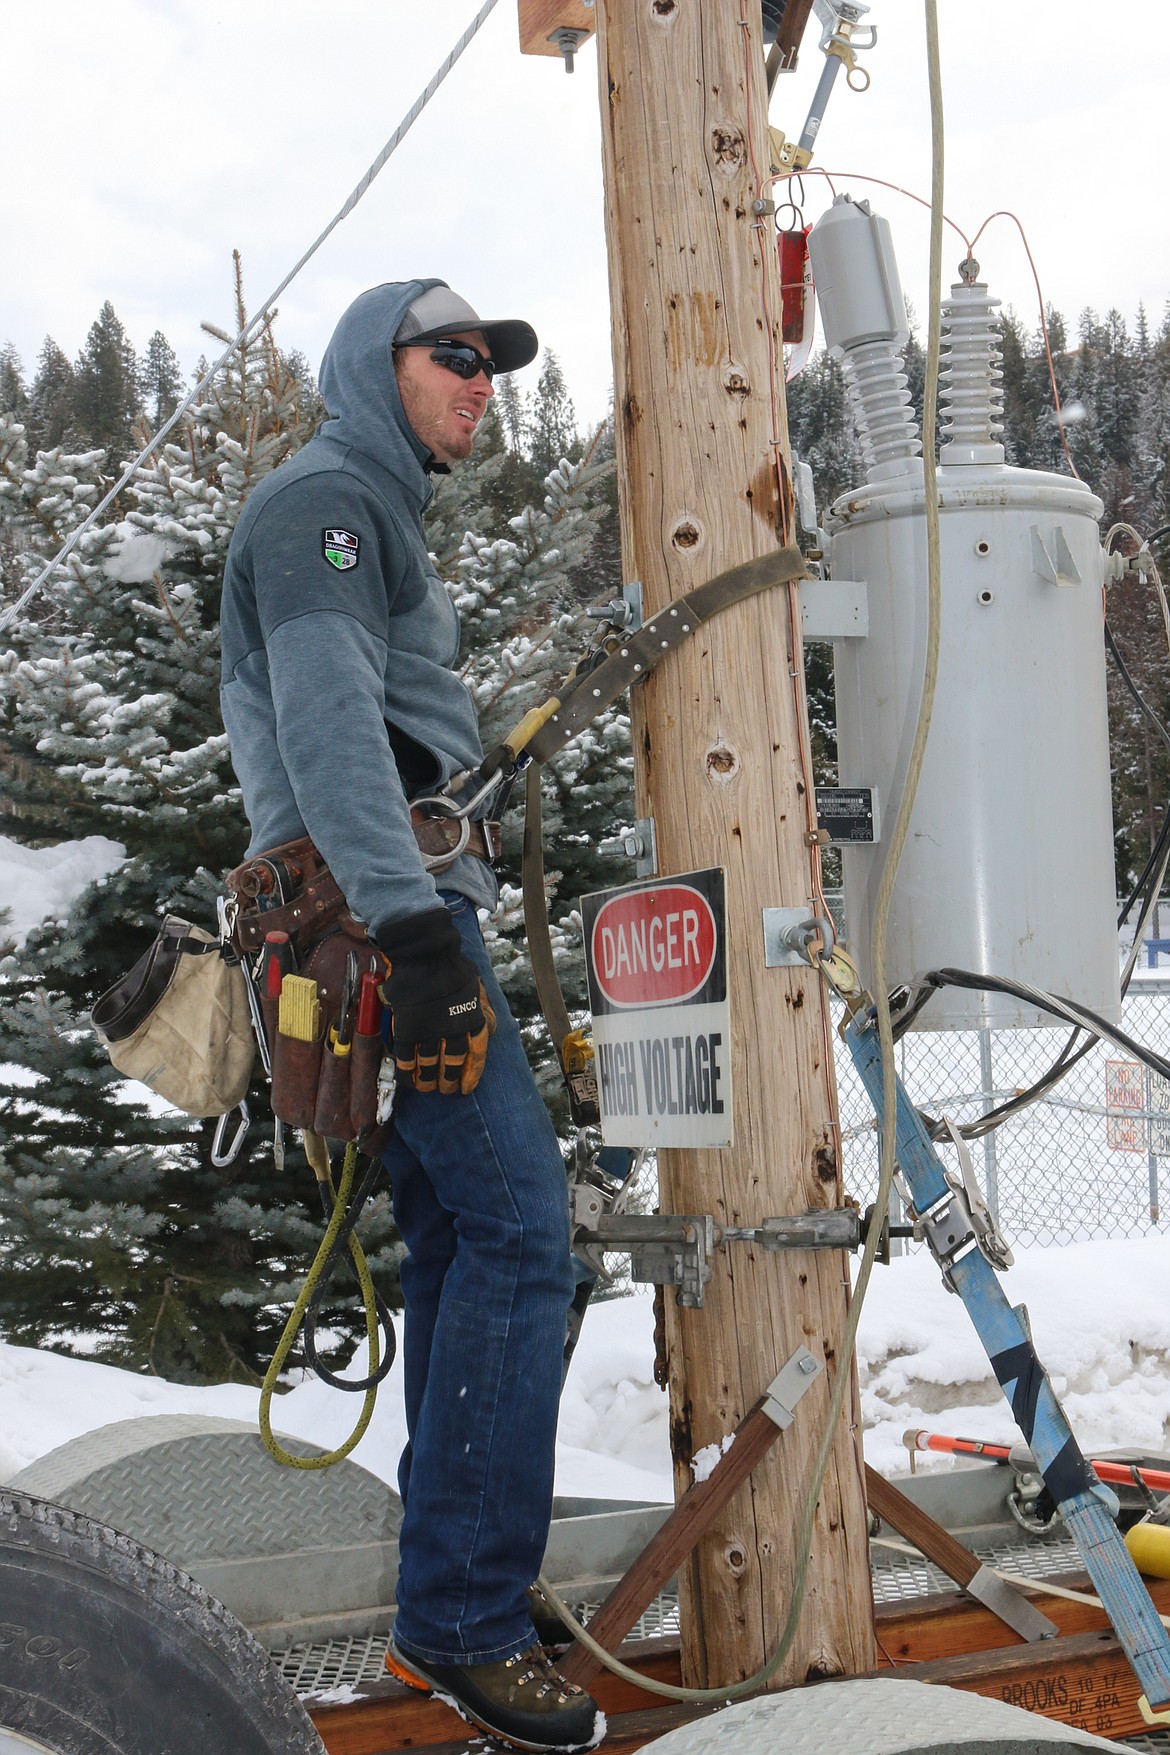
point(179, 1021)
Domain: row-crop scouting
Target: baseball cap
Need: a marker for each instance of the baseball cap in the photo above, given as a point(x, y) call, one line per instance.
point(439, 312)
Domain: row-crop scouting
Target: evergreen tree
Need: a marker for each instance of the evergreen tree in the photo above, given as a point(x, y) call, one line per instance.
point(551, 425)
point(160, 380)
point(50, 419)
point(106, 397)
point(509, 403)
point(116, 1231)
point(119, 1235)
point(13, 391)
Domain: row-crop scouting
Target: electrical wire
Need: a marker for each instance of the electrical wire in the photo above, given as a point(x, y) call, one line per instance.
point(1069, 1009)
point(1005, 213)
point(796, 668)
point(262, 317)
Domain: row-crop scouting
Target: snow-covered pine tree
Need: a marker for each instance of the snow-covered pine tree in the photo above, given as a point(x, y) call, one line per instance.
point(50, 415)
point(160, 380)
point(117, 1235)
point(519, 594)
point(106, 397)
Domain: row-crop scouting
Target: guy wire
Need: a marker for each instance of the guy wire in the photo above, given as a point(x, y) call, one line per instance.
point(251, 328)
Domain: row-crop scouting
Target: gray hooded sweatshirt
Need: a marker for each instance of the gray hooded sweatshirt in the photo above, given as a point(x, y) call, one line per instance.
point(338, 638)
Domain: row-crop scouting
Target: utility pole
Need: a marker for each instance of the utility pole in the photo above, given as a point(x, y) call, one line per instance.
point(718, 732)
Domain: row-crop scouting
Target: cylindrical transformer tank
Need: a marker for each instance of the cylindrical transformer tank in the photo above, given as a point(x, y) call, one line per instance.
point(1008, 865)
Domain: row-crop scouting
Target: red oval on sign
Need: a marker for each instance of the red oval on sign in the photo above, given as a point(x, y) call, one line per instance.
point(652, 947)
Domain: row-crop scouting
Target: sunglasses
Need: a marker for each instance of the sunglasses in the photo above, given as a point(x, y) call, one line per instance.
point(456, 356)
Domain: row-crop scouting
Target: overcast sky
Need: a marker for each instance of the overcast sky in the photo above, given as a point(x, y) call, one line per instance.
point(148, 138)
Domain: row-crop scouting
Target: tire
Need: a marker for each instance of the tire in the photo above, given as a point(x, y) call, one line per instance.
point(106, 1649)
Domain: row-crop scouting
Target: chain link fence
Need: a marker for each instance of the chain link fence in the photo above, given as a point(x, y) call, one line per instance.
point(1089, 1159)
point(1086, 1160)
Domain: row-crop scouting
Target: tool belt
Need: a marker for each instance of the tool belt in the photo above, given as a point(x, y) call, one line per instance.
point(290, 889)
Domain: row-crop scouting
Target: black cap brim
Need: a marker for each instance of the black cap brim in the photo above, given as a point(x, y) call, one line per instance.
point(511, 342)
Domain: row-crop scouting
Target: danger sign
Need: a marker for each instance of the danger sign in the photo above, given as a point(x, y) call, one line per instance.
point(654, 947)
point(657, 969)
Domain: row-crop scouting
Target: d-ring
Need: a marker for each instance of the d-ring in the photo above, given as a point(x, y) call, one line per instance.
point(437, 861)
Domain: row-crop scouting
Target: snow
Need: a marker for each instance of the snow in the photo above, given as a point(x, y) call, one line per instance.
point(138, 557)
point(41, 883)
point(1099, 1314)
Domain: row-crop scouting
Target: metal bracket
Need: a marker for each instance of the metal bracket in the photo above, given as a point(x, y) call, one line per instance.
point(788, 932)
point(665, 1249)
point(789, 1384)
point(639, 844)
point(1011, 1605)
point(823, 1228)
point(674, 1249)
point(633, 597)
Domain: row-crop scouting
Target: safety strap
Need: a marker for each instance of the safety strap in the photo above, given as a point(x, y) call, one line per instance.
point(591, 690)
point(573, 1056)
point(546, 729)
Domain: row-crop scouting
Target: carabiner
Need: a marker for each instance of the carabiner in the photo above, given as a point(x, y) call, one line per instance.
point(219, 1157)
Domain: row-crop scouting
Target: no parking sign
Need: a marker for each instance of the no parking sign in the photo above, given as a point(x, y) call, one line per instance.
point(656, 959)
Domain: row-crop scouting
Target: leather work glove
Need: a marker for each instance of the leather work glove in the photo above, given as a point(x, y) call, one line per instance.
point(441, 1017)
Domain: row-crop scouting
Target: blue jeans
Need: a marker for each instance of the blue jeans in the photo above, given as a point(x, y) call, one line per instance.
point(480, 1199)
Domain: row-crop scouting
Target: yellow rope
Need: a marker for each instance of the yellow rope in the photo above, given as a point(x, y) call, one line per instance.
point(292, 1328)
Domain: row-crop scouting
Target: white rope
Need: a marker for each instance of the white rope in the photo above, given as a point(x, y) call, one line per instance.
point(258, 321)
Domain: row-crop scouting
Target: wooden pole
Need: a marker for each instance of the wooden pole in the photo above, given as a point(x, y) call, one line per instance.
point(718, 735)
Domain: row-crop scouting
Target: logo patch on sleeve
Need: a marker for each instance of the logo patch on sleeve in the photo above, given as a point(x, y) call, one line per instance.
point(340, 548)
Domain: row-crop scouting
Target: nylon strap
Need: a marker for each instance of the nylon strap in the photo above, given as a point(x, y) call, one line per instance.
point(581, 1085)
point(582, 699)
point(592, 691)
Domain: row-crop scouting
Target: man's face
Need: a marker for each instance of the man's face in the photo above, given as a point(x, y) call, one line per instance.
point(443, 409)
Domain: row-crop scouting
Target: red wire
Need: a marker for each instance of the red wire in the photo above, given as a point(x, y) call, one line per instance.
point(1005, 213)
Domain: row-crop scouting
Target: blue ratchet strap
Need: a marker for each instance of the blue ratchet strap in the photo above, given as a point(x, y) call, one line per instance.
point(1086, 1505)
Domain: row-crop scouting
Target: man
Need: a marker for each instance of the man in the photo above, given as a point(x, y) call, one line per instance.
point(341, 706)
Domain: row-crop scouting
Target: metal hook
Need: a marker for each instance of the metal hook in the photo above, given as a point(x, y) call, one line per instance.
point(447, 806)
point(219, 1157)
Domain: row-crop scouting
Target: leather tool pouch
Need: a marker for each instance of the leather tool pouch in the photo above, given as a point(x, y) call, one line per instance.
point(291, 889)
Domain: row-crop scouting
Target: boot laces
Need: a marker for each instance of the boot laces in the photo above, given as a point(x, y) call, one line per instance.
point(542, 1669)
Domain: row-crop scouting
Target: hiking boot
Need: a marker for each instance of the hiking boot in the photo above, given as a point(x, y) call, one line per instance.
point(521, 1701)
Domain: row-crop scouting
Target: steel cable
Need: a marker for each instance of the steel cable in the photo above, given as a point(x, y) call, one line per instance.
point(257, 322)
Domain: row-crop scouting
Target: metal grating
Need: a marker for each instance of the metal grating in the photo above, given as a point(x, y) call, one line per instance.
point(903, 1577)
point(340, 1663)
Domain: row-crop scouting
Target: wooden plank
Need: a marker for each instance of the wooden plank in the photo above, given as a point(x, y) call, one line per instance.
point(388, 1716)
point(950, 1624)
point(668, 1549)
point(913, 1637)
point(704, 474)
point(792, 27)
point(626, 1733)
point(539, 18)
point(1082, 1680)
point(918, 1527)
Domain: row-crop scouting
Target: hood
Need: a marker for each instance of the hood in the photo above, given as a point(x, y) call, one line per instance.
point(360, 389)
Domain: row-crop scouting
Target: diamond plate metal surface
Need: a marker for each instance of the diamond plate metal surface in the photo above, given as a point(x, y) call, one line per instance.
point(888, 1716)
point(198, 1489)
